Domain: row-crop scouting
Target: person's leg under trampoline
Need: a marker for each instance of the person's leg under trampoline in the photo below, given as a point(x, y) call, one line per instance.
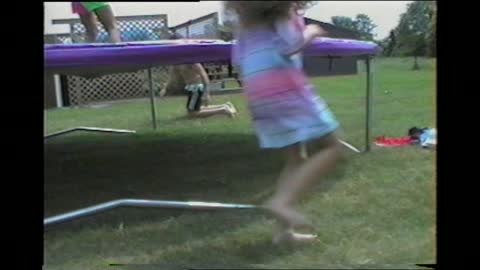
point(90, 22)
point(207, 112)
point(107, 18)
point(227, 105)
point(196, 110)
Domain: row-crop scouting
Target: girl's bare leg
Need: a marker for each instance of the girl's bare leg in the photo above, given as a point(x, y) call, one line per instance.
point(286, 233)
point(292, 186)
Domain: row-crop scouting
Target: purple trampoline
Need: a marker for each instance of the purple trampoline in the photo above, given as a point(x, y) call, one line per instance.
point(131, 55)
point(96, 59)
point(90, 60)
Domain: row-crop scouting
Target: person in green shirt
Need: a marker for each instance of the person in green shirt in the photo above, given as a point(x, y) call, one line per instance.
point(89, 12)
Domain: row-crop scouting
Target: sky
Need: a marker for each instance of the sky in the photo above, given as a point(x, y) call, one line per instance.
point(385, 14)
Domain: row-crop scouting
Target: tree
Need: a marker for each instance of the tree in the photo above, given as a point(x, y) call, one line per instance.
point(431, 37)
point(392, 42)
point(414, 30)
point(362, 24)
point(344, 22)
point(388, 44)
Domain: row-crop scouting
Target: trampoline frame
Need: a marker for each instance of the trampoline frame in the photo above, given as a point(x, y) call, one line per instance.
point(368, 102)
point(193, 205)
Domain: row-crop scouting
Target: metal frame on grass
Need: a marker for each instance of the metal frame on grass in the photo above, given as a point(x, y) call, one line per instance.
point(142, 203)
point(90, 129)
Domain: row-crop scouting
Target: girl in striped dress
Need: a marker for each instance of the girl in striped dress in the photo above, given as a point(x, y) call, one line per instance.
point(286, 111)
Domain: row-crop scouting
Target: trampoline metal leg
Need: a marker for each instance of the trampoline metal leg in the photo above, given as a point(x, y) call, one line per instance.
point(152, 99)
point(368, 117)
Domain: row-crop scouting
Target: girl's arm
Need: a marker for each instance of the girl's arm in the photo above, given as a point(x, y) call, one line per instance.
point(311, 32)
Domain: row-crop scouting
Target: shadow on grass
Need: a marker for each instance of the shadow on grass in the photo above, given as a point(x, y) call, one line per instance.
point(89, 169)
point(243, 255)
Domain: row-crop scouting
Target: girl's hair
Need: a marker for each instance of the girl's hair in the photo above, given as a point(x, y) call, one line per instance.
point(264, 12)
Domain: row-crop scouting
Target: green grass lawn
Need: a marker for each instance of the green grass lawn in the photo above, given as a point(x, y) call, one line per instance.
point(376, 210)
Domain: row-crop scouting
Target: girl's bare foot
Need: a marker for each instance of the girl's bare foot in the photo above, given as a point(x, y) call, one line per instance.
point(289, 236)
point(288, 217)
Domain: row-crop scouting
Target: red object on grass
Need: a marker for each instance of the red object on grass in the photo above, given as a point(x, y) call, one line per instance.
point(390, 141)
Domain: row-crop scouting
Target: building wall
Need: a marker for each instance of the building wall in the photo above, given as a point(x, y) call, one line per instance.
point(334, 31)
point(320, 66)
point(204, 27)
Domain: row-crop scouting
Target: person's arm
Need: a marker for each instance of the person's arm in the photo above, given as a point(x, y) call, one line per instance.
point(311, 32)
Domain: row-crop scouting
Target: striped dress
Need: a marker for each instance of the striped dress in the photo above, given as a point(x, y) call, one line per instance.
point(284, 107)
